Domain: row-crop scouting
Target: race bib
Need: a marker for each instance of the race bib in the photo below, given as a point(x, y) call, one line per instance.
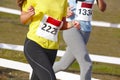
point(84, 11)
point(49, 28)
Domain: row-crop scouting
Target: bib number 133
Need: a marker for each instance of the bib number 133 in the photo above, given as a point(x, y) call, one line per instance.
point(84, 11)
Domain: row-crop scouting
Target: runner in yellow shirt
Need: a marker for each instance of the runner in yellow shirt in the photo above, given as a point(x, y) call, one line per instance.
point(46, 18)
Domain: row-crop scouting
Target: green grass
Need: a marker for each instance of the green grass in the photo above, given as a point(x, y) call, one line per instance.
point(111, 14)
point(11, 29)
point(103, 41)
point(9, 4)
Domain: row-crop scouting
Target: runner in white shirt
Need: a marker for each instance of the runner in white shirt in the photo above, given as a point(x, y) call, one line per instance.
point(76, 40)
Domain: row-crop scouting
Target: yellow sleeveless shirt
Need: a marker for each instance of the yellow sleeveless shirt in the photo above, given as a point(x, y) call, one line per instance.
point(55, 8)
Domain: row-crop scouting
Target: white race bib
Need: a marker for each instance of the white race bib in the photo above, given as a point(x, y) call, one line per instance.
point(84, 11)
point(49, 28)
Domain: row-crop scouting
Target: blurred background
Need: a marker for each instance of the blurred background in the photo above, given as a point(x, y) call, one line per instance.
point(103, 41)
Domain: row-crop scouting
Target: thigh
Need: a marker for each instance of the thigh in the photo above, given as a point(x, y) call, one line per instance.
point(75, 40)
point(39, 61)
point(34, 76)
point(67, 59)
point(51, 55)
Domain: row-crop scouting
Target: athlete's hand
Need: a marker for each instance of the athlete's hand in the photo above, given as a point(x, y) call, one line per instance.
point(76, 24)
point(69, 12)
point(31, 10)
point(26, 17)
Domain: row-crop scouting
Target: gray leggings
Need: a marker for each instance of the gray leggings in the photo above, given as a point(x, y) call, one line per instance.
point(76, 41)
